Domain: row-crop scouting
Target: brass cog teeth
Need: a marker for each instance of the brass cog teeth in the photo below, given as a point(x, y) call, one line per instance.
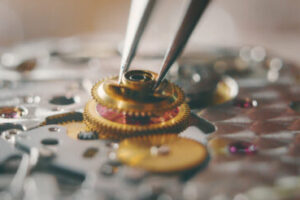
point(101, 125)
point(137, 112)
point(94, 91)
point(101, 135)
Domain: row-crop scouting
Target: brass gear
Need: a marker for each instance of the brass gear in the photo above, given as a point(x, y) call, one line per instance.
point(161, 153)
point(102, 125)
point(136, 97)
point(101, 134)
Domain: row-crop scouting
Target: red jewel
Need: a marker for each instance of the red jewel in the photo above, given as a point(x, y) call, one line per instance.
point(123, 118)
point(242, 148)
point(10, 112)
point(245, 103)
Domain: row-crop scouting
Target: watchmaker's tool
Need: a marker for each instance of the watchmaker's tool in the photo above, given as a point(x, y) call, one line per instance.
point(194, 11)
point(139, 13)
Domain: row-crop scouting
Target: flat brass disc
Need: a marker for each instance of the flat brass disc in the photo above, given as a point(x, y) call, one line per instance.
point(161, 153)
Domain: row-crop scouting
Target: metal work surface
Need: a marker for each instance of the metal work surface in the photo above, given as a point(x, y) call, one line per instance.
point(242, 141)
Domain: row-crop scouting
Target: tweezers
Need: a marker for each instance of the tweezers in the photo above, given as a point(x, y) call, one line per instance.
point(140, 12)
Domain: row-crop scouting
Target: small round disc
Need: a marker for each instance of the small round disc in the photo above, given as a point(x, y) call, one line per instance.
point(161, 153)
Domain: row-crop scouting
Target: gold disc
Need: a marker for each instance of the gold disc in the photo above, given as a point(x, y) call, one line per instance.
point(161, 153)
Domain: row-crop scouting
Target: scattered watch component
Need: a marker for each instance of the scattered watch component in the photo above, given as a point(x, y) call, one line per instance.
point(225, 146)
point(198, 82)
point(27, 65)
point(245, 103)
point(162, 153)
point(11, 112)
point(226, 90)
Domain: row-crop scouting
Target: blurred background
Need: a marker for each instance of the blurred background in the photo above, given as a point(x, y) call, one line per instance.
point(274, 24)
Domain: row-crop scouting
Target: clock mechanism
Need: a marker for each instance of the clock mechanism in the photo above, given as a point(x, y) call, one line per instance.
point(223, 125)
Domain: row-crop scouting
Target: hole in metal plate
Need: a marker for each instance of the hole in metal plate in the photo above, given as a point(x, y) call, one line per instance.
point(9, 126)
point(63, 100)
point(49, 141)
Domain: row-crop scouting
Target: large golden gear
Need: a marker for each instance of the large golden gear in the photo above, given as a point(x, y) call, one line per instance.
point(135, 96)
point(133, 108)
point(117, 130)
point(162, 153)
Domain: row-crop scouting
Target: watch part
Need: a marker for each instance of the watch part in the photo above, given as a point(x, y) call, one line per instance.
point(121, 128)
point(135, 96)
point(161, 153)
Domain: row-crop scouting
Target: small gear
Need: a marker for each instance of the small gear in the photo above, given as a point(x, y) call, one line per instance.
point(122, 125)
point(135, 96)
point(161, 153)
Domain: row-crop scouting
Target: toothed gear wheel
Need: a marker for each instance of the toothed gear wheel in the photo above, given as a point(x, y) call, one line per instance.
point(101, 134)
point(117, 127)
point(135, 95)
